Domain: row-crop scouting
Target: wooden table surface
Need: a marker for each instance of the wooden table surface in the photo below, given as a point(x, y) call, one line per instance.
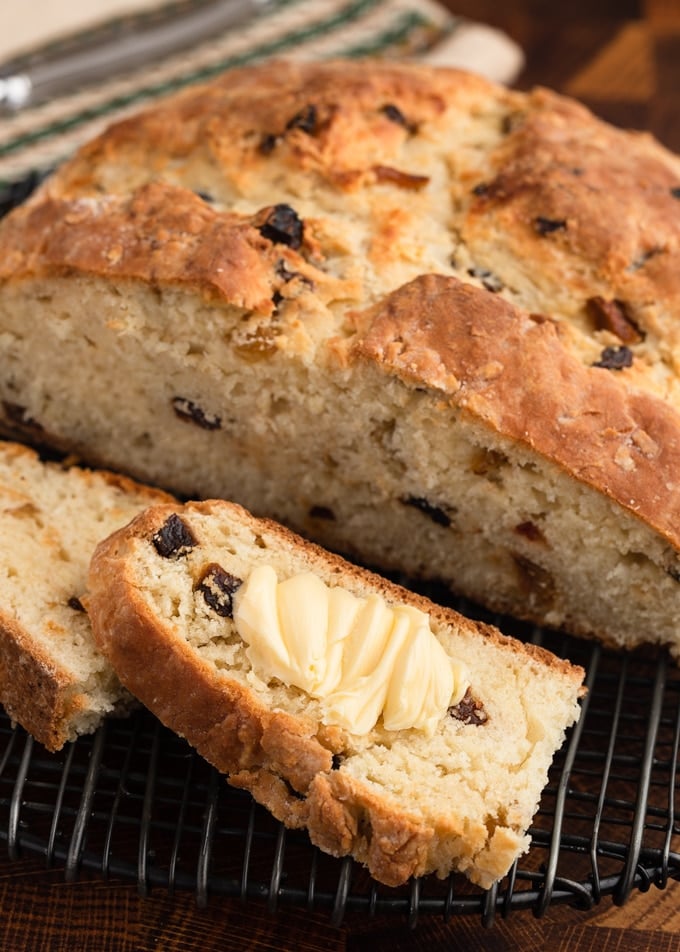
point(622, 58)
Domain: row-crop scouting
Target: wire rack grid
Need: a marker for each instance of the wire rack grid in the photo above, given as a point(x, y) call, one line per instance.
point(135, 802)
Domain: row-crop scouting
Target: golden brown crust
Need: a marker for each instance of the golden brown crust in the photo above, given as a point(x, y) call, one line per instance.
point(582, 200)
point(238, 122)
point(161, 234)
point(511, 371)
point(345, 817)
point(555, 164)
point(34, 691)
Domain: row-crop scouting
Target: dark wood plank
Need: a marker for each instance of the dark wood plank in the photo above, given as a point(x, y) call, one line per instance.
point(620, 59)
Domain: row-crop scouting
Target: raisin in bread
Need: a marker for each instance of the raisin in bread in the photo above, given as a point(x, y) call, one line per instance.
point(167, 600)
point(425, 320)
point(53, 680)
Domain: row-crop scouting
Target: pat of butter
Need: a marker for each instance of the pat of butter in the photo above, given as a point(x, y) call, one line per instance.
point(360, 656)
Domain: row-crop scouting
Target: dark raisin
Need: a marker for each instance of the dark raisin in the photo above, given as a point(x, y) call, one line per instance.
point(511, 121)
point(675, 191)
point(489, 280)
point(321, 512)
point(436, 513)
point(336, 762)
point(173, 538)
point(613, 316)
point(267, 144)
point(641, 260)
point(218, 587)
point(191, 412)
point(530, 531)
point(481, 189)
point(394, 114)
point(534, 580)
point(546, 226)
point(615, 358)
point(469, 710)
point(305, 120)
point(75, 603)
point(205, 196)
point(283, 227)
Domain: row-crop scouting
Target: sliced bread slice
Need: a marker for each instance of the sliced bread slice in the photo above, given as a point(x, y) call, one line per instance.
point(394, 730)
point(53, 680)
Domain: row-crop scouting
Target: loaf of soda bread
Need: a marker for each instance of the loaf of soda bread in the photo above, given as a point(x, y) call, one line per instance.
point(393, 730)
point(428, 321)
point(53, 680)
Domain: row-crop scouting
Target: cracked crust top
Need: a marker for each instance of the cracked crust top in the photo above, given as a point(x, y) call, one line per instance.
point(511, 370)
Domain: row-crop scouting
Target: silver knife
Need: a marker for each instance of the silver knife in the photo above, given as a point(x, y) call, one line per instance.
point(116, 55)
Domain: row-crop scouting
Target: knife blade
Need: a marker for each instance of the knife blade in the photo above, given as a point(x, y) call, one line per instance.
point(104, 59)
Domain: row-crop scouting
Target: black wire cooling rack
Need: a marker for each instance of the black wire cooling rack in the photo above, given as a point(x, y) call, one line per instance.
point(135, 802)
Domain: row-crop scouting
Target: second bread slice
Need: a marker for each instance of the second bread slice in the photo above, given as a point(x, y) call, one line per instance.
point(178, 600)
point(53, 680)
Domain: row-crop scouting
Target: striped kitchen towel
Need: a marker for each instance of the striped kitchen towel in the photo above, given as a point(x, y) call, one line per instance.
point(36, 138)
